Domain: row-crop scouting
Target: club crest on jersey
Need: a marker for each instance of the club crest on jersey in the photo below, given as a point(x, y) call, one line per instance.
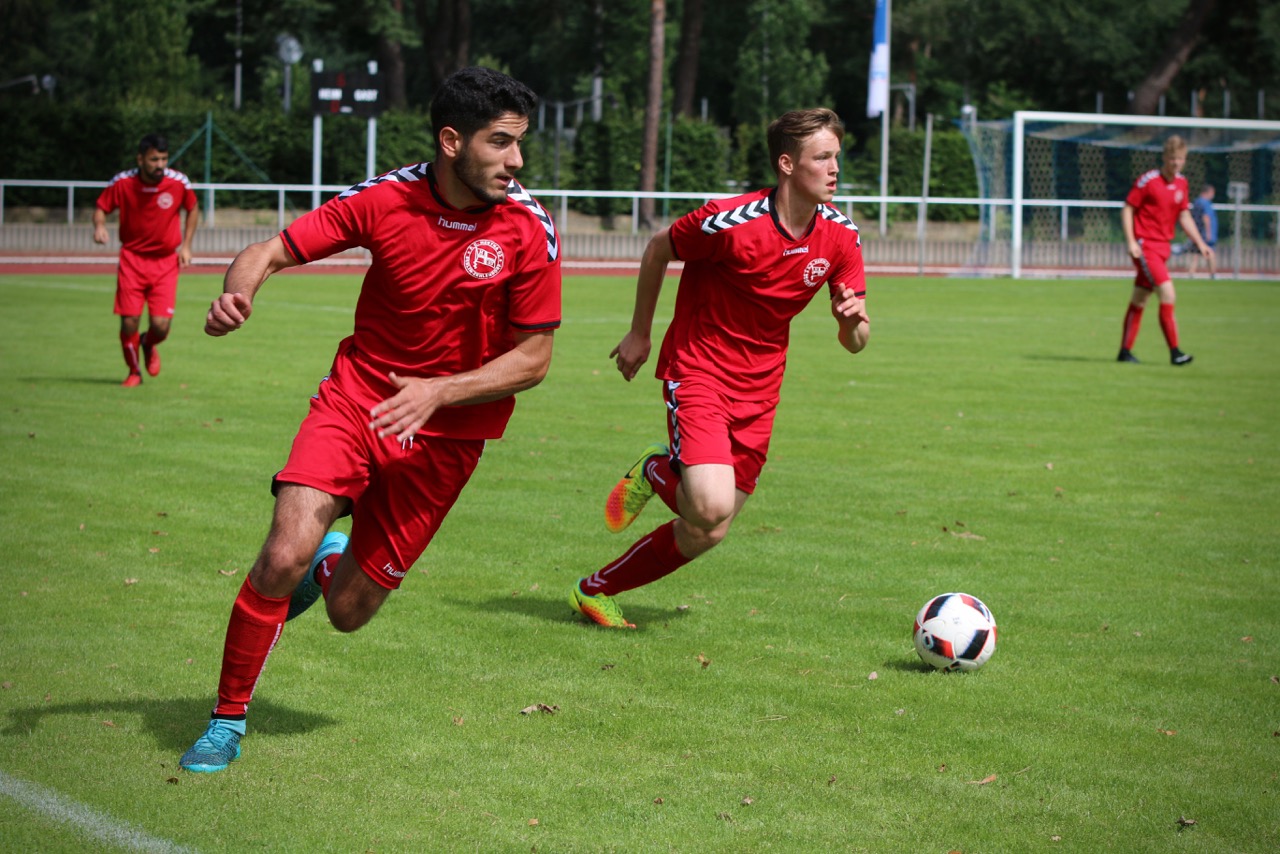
point(815, 272)
point(165, 201)
point(483, 259)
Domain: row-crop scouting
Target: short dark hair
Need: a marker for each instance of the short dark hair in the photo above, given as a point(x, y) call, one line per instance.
point(788, 132)
point(158, 141)
point(472, 97)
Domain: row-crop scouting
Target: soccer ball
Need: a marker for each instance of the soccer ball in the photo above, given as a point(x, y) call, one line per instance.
point(955, 631)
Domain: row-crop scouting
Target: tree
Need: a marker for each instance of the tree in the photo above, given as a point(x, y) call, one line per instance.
point(160, 73)
point(776, 70)
point(652, 108)
point(1146, 96)
point(447, 37)
point(686, 72)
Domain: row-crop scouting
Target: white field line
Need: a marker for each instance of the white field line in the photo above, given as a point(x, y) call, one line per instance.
point(98, 825)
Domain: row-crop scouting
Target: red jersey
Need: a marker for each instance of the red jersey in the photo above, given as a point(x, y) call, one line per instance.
point(744, 279)
point(149, 212)
point(447, 289)
point(1157, 204)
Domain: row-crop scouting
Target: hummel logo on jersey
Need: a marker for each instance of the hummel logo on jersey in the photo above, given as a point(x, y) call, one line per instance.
point(737, 216)
point(459, 226)
point(799, 250)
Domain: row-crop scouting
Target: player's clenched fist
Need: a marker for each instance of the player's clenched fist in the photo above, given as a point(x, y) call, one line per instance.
point(227, 314)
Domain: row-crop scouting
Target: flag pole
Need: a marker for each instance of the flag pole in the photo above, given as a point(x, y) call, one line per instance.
point(878, 98)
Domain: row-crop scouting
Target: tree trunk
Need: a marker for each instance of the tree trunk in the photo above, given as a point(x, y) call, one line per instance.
point(652, 111)
point(1146, 96)
point(391, 64)
point(687, 59)
point(446, 37)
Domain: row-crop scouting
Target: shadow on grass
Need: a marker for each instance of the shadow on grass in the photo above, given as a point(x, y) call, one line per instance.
point(907, 665)
point(559, 610)
point(1049, 357)
point(72, 380)
point(174, 723)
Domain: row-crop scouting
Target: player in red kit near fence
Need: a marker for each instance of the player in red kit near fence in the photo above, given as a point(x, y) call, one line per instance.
point(455, 316)
point(1158, 201)
point(752, 263)
point(149, 199)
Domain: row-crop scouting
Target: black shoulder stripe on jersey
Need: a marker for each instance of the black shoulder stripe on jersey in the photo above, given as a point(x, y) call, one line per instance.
point(828, 212)
point(736, 216)
point(517, 193)
point(536, 327)
point(416, 172)
point(293, 247)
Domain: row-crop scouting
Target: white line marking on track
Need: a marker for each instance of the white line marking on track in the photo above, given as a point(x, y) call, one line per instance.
point(100, 826)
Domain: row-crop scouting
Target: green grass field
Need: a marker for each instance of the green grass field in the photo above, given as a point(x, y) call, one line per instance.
point(1123, 523)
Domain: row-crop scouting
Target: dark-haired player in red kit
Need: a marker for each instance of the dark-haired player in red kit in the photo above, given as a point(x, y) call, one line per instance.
point(149, 199)
point(1158, 201)
point(752, 263)
point(455, 316)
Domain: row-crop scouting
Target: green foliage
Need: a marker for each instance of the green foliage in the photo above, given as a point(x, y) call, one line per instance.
point(776, 72)
point(951, 172)
point(1134, 582)
point(607, 157)
point(140, 53)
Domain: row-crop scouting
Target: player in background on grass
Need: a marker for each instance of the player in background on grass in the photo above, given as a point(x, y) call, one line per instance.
point(455, 316)
point(1158, 201)
point(751, 264)
point(149, 199)
point(1206, 219)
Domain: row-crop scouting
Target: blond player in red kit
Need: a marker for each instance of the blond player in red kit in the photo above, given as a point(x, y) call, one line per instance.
point(1158, 201)
point(752, 263)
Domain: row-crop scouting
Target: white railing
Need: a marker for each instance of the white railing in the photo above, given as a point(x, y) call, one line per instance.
point(992, 250)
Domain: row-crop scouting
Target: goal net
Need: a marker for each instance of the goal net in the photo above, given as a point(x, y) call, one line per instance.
point(1056, 182)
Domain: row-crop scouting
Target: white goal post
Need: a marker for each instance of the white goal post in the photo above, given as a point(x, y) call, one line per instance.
point(1249, 135)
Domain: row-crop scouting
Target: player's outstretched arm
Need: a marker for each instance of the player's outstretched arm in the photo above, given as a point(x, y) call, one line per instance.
point(633, 350)
point(246, 274)
point(520, 368)
point(850, 312)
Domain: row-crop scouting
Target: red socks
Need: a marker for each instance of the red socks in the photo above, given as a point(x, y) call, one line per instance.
point(1132, 323)
point(650, 558)
point(254, 628)
point(1168, 325)
point(129, 344)
point(663, 479)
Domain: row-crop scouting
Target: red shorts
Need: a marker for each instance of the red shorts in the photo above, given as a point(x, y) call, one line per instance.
point(150, 280)
point(707, 426)
point(1152, 267)
point(399, 494)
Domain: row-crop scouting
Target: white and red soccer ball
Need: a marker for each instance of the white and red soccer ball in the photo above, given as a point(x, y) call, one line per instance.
point(955, 631)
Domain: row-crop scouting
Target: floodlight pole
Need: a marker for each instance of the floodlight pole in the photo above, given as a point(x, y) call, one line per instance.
point(317, 132)
point(371, 147)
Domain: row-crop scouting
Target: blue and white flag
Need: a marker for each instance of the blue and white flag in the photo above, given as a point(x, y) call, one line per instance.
point(878, 79)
